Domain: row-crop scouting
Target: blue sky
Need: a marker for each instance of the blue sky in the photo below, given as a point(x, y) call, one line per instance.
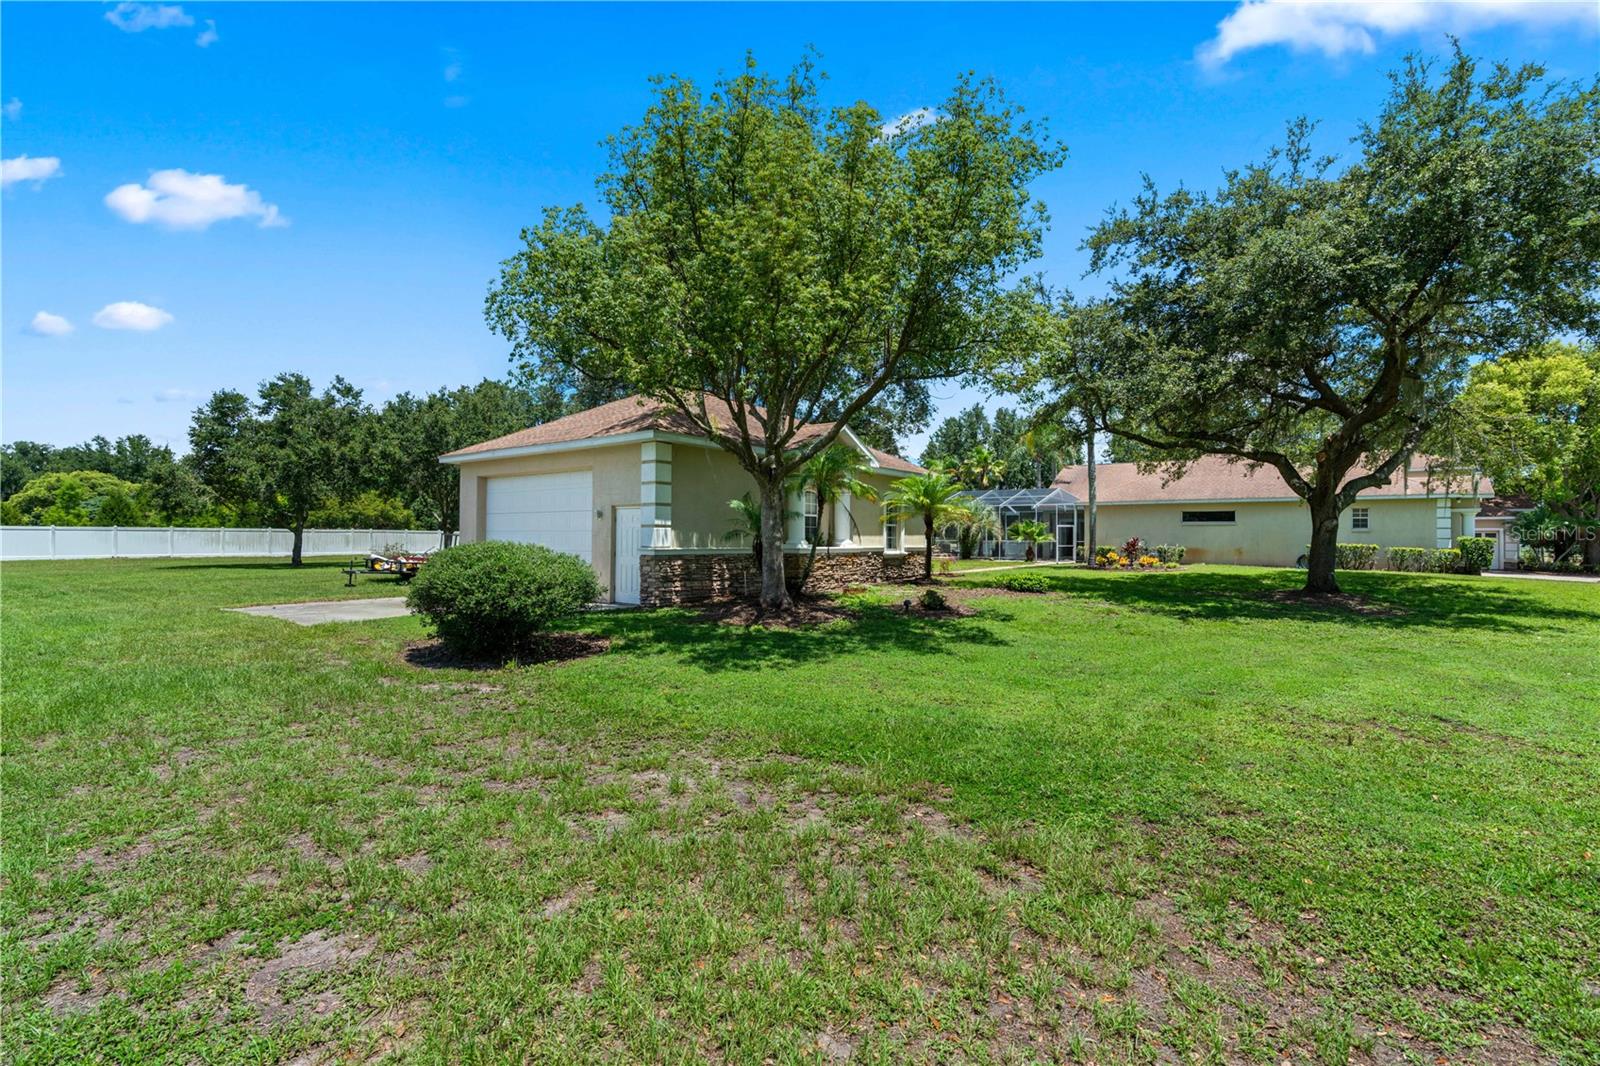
point(239, 189)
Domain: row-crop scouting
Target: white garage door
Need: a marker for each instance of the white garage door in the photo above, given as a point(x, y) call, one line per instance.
point(549, 509)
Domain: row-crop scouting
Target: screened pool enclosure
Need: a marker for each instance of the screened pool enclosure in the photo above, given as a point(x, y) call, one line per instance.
point(1060, 511)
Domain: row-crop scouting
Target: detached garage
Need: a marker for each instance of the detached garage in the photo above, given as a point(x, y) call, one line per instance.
point(634, 490)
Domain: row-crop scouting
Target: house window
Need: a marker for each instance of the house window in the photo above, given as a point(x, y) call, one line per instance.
point(813, 517)
point(1207, 517)
point(891, 535)
point(1360, 518)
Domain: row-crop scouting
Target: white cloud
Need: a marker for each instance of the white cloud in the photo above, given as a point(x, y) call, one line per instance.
point(26, 168)
point(1338, 27)
point(47, 325)
point(181, 200)
point(208, 36)
point(131, 17)
point(13, 109)
point(452, 71)
point(457, 101)
point(911, 120)
point(131, 314)
point(175, 395)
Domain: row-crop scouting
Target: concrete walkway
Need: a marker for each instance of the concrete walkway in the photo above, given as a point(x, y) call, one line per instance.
point(993, 569)
point(1534, 575)
point(315, 614)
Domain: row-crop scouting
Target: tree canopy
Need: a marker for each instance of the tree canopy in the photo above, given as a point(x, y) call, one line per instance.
point(1531, 421)
point(795, 262)
point(1319, 322)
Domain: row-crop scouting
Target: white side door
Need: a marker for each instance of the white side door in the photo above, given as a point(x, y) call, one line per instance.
point(625, 567)
point(548, 509)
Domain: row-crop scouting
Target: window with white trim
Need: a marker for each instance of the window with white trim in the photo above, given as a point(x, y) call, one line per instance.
point(813, 516)
point(891, 534)
point(1360, 518)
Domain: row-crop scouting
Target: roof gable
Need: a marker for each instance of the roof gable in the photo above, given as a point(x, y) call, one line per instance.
point(639, 414)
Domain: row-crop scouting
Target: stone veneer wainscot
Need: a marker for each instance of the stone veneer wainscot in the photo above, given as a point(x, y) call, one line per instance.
point(694, 577)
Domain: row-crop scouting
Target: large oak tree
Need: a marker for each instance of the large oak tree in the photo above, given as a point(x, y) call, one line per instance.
point(1318, 321)
point(793, 261)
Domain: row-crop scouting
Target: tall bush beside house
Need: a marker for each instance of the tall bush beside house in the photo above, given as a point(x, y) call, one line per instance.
point(1444, 560)
point(1477, 553)
point(1356, 556)
point(492, 599)
point(1409, 560)
point(1170, 553)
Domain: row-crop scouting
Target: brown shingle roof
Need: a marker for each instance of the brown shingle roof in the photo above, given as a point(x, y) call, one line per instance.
point(636, 414)
point(1213, 478)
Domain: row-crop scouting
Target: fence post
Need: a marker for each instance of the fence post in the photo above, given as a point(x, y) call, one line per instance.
point(172, 542)
point(52, 542)
point(114, 541)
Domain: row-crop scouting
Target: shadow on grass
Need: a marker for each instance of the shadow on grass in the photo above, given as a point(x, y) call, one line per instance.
point(1399, 601)
point(685, 635)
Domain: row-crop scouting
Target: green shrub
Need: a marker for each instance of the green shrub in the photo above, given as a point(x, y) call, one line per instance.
point(1355, 556)
point(1444, 560)
point(1477, 553)
point(933, 600)
point(1023, 582)
point(1170, 553)
point(1411, 560)
point(490, 599)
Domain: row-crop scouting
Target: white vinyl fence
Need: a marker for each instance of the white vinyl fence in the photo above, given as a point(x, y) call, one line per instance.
point(149, 542)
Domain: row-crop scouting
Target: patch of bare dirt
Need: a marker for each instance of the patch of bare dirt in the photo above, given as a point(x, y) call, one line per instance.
point(1336, 602)
point(71, 995)
point(549, 648)
point(314, 953)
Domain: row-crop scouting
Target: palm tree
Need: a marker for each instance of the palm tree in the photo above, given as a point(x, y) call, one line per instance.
point(933, 497)
point(830, 474)
point(1032, 532)
point(976, 522)
point(983, 468)
point(747, 523)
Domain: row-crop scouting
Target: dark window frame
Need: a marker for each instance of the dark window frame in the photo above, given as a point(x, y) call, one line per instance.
point(1209, 518)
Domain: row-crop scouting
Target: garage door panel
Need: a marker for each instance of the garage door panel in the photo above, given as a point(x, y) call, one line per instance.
point(548, 509)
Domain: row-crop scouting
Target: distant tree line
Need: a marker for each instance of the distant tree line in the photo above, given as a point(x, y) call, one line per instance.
point(1009, 450)
point(289, 456)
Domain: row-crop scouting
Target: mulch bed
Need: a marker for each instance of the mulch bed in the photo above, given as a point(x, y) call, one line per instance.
point(551, 648)
point(1337, 601)
point(800, 614)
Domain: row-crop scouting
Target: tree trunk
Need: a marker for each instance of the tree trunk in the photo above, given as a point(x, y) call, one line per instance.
point(927, 547)
point(1089, 458)
point(299, 530)
point(1320, 579)
point(774, 589)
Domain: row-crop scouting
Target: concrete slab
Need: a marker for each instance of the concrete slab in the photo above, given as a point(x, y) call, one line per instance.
point(314, 614)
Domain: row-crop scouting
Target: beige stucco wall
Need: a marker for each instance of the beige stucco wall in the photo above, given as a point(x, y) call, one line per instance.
point(615, 471)
point(705, 479)
point(1274, 533)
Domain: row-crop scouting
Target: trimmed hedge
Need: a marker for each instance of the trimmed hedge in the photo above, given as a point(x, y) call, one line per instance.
point(1023, 582)
point(1477, 553)
point(1170, 553)
point(1355, 556)
point(491, 599)
point(1411, 560)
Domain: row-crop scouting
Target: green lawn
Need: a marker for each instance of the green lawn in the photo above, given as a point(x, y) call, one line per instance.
point(1144, 817)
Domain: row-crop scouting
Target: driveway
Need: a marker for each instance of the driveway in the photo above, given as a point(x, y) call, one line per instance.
point(315, 614)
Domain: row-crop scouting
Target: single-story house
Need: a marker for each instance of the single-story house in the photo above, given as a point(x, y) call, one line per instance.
point(635, 490)
point(1226, 512)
